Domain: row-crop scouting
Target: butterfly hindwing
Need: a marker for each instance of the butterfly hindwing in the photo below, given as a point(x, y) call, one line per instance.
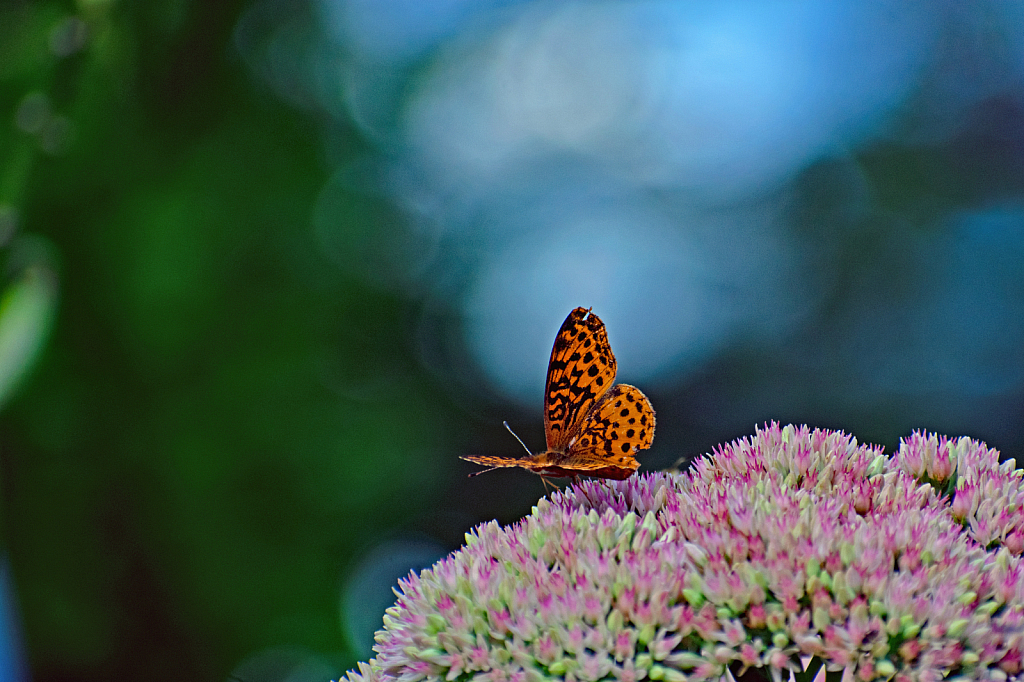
point(581, 370)
point(619, 426)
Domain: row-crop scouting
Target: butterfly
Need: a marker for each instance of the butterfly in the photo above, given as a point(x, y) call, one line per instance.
point(592, 428)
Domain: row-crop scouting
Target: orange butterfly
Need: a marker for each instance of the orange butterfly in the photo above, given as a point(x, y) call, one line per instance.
point(590, 430)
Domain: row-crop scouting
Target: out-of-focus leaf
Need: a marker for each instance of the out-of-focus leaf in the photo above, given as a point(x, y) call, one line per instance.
point(26, 315)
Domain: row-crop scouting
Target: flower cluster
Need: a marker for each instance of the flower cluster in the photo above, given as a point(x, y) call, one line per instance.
point(793, 553)
point(986, 497)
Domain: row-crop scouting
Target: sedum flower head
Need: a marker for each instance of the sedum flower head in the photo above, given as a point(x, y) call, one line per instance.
point(986, 497)
point(792, 552)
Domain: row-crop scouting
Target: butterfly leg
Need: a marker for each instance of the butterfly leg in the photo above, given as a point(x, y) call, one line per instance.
point(482, 471)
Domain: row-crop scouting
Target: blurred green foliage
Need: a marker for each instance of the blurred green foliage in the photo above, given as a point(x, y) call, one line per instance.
point(220, 418)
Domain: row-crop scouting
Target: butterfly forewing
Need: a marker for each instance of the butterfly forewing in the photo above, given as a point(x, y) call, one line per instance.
point(494, 462)
point(620, 425)
point(581, 370)
point(488, 460)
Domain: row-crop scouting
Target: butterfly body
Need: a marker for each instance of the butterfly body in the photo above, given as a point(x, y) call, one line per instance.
point(592, 428)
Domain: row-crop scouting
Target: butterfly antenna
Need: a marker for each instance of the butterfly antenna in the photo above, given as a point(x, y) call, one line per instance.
point(518, 438)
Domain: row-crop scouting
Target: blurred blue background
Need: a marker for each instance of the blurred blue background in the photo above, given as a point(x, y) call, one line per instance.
point(270, 267)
